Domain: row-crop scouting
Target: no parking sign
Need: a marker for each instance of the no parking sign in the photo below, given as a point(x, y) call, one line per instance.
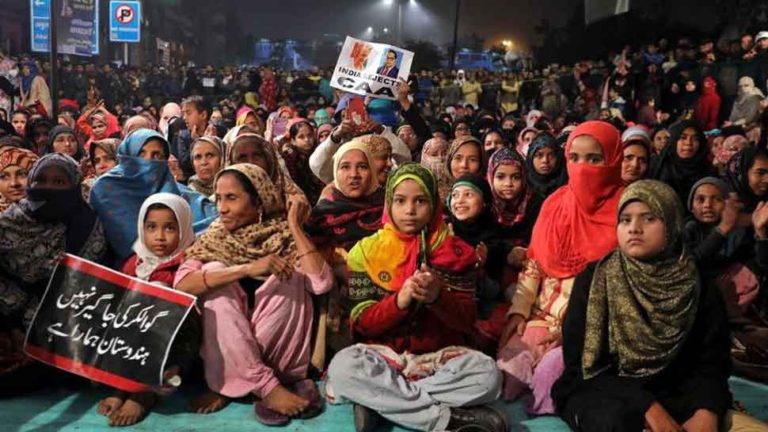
point(124, 21)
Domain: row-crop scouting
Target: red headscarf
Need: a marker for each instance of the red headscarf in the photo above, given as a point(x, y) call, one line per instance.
point(577, 223)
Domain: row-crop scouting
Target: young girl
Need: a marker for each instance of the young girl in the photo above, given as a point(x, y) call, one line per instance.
point(515, 207)
point(411, 288)
point(165, 230)
point(296, 154)
point(645, 343)
point(545, 165)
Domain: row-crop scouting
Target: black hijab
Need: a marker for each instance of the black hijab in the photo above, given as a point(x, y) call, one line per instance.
point(737, 176)
point(679, 173)
point(63, 129)
point(544, 185)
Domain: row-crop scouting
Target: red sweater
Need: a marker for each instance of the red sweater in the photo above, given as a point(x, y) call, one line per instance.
point(163, 274)
point(707, 111)
point(418, 329)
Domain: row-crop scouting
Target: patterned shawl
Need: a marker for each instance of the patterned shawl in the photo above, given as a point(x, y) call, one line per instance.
point(642, 309)
point(14, 157)
point(341, 220)
point(390, 256)
point(269, 236)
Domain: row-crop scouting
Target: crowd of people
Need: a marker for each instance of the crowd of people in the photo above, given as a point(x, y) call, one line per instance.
point(592, 239)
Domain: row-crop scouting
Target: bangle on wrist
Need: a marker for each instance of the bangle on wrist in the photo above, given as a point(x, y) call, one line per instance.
point(205, 281)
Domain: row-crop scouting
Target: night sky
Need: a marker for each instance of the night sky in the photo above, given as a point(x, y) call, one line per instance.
point(430, 19)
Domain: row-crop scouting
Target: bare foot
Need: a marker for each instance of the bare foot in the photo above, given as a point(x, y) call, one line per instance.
point(285, 402)
point(208, 402)
point(133, 410)
point(110, 404)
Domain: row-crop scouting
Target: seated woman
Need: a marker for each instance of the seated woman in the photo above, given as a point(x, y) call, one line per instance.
point(165, 230)
point(296, 152)
point(411, 288)
point(685, 160)
point(102, 156)
point(15, 164)
point(256, 341)
point(142, 170)
point(575, 227)
point(53, 219)
point(645, 342)
point(208, 157)
point(350, 209)
point(545, 167)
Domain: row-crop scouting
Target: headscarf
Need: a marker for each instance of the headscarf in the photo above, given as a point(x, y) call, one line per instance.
point(522, 148)
point(377, 144)
point(341, 220)
point(269, 236)
point(60, 206)
point(62, 129)
point(714, 181)
point(26, 81)
point(508, 213)
point(148, 261)
point(679, 173)
point(118, 194)
point(436, 164)
point(194, 182)
point(484, 228)
point(321, 117)
point(12, 157)
point(577, 223)
point(747, 88)
point(278, 172)
point(642, 309)
point(323, 128)
point(390, 256)
point(34, 233)
point(460, 142)
point(729, 148)
point(231, 135)
point(242, 117)
point(737, 176)
point(107, 145)
point(544, 185)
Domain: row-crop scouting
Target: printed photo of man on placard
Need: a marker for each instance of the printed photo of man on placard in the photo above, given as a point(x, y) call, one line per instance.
point(390, 66)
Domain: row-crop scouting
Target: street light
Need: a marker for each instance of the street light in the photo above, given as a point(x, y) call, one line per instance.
point(400, 4)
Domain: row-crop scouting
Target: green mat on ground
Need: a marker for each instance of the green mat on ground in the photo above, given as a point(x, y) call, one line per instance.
point(59, 410)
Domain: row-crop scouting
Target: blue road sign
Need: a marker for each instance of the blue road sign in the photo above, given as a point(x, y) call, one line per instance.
point(40, 21)
point(125, 21)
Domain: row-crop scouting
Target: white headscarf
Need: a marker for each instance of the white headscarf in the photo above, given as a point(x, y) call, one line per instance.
point(747, 88)
point(148, 261)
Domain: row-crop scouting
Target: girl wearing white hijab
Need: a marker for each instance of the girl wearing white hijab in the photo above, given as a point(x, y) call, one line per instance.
point(165, 231)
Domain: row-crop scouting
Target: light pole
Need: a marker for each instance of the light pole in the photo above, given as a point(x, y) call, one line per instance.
point(454, 47)
point(400, 4)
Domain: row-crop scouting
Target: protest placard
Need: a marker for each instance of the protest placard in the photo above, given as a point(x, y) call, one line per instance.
point(371, 69)
point(106, 326)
